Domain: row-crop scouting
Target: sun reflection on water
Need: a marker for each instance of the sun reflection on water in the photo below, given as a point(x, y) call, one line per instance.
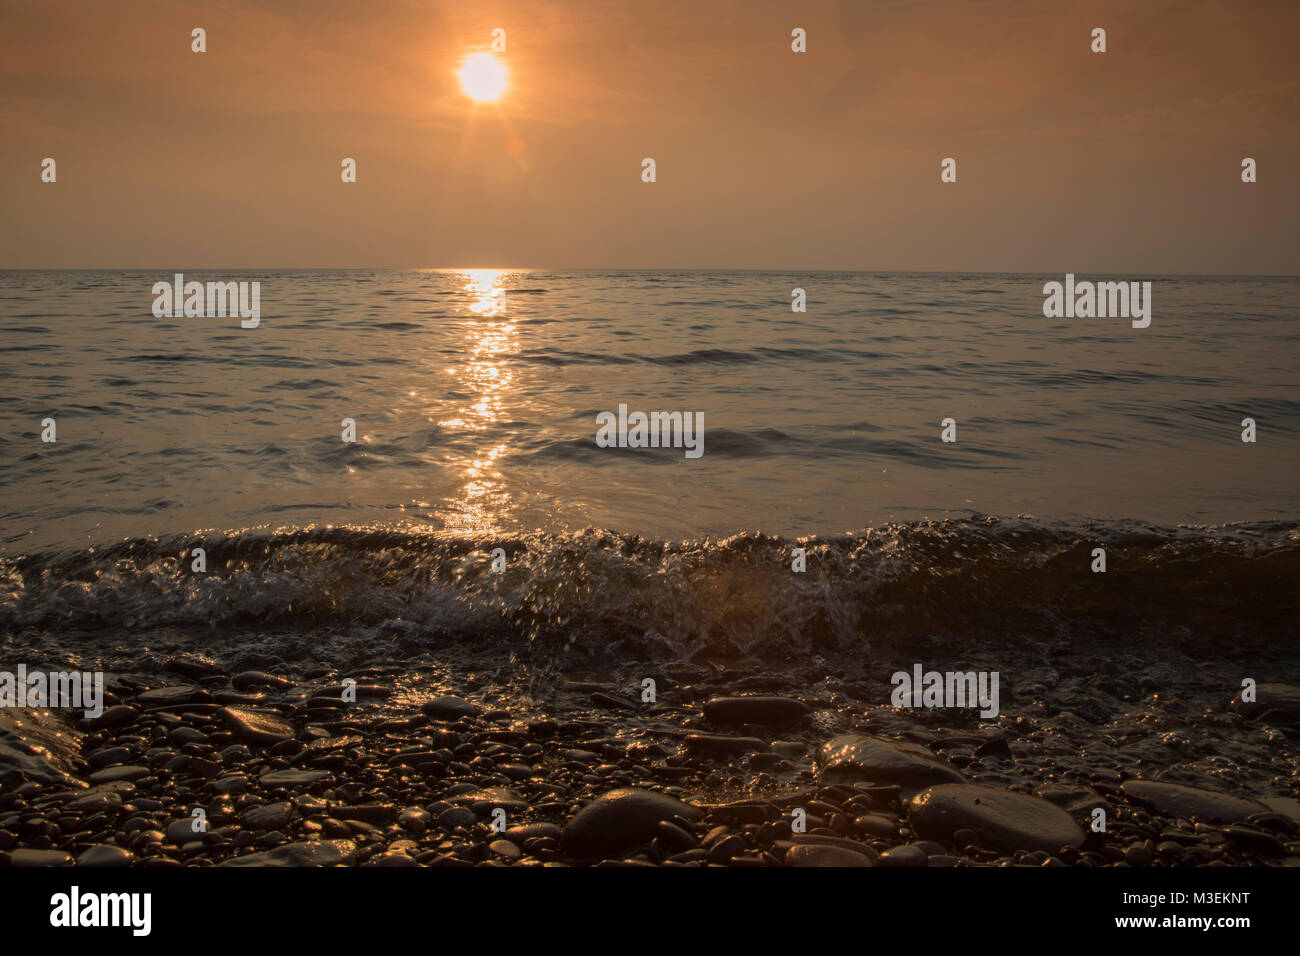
point(484, 500)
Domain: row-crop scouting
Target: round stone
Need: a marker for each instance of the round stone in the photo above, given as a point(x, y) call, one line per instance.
point(620, 820)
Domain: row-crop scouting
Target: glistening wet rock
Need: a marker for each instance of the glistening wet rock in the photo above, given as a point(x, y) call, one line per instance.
point(256, 727)
point(852, 757)
point(311, 853)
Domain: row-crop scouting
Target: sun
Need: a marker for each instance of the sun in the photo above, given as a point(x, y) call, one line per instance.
point(483, 78)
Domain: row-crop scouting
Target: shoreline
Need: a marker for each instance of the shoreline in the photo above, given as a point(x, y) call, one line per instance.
point(436, 748)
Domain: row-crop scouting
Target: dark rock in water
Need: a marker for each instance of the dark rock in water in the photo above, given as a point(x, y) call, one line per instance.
point(717, 744)
point(812, 854)
point(609, 700)
point(852, 757)
point(767, 711)
point(1002, 819)
point(621, 819)
point(254, 680)
point(36, 745)
point(310, 853)
point(39, 858)
point(1175, 800)
point(256, 727)
point(105, 855)
point(449, 708)
point(1274, 703)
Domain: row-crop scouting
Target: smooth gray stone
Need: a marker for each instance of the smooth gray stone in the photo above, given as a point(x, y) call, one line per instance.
point(1176, 800)
point(852, 757)
point(812, 854)
point(182, 831)
point(1003, 819)
point(272, 816)
point(622, 819)
point(306, 853)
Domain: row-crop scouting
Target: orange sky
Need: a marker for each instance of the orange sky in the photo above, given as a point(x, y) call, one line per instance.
point(1125, 162)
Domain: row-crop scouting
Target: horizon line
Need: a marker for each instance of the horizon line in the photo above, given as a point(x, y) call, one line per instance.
point(230, 269)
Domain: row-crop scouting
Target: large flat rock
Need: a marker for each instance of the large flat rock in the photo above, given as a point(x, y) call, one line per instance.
point(766, 711)
point(306, 853)
point(1003, 820)
point(1176, 800)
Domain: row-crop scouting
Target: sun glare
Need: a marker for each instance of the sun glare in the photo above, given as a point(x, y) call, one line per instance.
point(483, 78)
